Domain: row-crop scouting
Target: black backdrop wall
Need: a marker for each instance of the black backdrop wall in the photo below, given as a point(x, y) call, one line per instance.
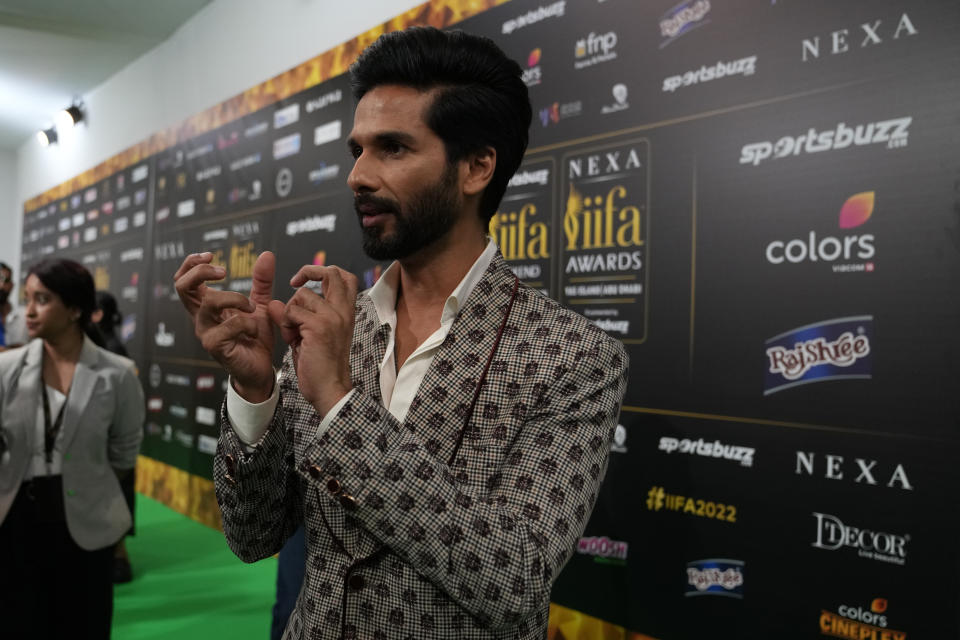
point(761, 199)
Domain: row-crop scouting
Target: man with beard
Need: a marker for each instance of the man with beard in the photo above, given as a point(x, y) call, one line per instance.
point(13, 325)
point(442, 436)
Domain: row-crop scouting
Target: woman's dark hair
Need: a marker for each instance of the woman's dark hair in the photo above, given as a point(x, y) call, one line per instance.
point(482, 101)
point(73, 283)
point(109, 322)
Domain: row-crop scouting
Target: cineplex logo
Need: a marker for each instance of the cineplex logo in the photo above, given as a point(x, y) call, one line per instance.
point(707, 449)
point(859, 623)
point(834, 349)
point(893, 133)
point(833, 534)
point(841, 253)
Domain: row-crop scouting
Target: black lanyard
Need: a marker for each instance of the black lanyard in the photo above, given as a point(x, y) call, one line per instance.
point(50, 431)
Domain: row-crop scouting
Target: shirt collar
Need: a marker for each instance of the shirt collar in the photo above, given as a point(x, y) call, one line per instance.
point(383, 293)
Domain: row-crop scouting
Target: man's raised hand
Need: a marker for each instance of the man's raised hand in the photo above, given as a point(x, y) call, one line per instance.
point(320, 330)
point(235, 330)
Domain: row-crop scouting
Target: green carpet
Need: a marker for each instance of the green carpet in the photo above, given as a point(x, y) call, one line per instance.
point(188, 584)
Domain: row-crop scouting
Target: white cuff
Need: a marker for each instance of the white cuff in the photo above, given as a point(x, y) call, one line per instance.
point(334, 410)
point(250, 421)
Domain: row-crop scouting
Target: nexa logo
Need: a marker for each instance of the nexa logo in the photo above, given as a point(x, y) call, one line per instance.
point(873, 33)
point(833, 469)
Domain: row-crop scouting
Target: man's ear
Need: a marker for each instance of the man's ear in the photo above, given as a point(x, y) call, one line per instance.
point(479, 171)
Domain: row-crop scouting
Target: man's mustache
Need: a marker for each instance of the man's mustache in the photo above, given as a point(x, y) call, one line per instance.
point(383, 205)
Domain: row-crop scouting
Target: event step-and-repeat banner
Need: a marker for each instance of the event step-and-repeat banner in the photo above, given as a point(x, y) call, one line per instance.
point(760, 198)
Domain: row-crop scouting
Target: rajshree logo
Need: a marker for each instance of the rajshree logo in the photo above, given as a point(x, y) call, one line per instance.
point(715, 577)
point(859, 623)
point(855, 212)
point(893, 133)
point(834, 349)
point(682, 19)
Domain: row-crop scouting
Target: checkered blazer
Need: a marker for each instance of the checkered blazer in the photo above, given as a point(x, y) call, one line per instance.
point(454, 522)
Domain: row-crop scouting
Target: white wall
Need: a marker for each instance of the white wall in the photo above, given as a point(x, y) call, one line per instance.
point(229, 46)
point(11, 211)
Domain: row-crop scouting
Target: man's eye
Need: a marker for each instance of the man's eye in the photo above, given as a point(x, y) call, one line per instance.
point(393, 148)
point(355, 152)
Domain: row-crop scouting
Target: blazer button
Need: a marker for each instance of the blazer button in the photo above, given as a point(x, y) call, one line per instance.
point(333, 486)
point(348, 502)
point(314, 471)
point(356, 582)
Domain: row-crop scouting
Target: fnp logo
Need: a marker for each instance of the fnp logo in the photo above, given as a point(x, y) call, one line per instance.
point(715, 577)
point(837, 349)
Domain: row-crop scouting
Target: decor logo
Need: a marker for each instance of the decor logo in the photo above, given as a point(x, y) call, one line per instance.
point(833, 534)
point(836, 349)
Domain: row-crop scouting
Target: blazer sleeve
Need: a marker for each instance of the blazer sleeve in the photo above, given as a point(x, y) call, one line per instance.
point(260, 495)
point(495, 551)
point(126, 431)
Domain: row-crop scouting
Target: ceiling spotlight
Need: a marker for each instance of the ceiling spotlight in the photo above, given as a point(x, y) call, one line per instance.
point(69, 116)
point(47, 136)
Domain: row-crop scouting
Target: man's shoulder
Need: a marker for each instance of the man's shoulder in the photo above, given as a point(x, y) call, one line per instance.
point(543, 316)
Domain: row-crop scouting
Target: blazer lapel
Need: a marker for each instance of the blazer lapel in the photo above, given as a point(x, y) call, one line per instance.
point(368, 348)
point(84, 382)
point(26, 394)
point(439, 410)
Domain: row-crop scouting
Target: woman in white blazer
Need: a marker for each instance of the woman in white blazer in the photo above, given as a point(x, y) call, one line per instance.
point(71, 421)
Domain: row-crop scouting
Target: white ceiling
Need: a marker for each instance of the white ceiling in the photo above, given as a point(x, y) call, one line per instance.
point(54, 50)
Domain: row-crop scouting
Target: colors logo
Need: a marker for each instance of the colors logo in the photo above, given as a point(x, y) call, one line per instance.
point(836, 349)
point(715, 577)
point(857, 623)
point(855, 212)
point(531, 75)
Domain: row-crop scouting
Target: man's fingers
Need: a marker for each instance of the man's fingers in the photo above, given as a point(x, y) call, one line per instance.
point(307, 299)
point(216, 302)
point(228, 332)
point(339, 286)
point(307, 273)
point(194, 278)
point(191, 261)
point(263, 269)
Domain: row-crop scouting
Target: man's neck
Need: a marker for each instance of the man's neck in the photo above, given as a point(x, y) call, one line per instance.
point(428, 278)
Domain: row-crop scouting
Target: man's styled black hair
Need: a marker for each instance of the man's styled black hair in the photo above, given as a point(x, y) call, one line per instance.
point(481, 100)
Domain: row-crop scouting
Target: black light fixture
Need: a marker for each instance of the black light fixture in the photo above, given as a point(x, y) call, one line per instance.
point(70, 116)
point(47, 136)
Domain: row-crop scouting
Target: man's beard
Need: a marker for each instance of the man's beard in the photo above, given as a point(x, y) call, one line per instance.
point(429, 216)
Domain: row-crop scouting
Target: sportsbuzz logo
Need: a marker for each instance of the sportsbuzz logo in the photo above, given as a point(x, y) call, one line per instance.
point(893, 133)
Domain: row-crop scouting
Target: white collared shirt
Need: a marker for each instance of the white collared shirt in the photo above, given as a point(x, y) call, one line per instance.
point(397, 387)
